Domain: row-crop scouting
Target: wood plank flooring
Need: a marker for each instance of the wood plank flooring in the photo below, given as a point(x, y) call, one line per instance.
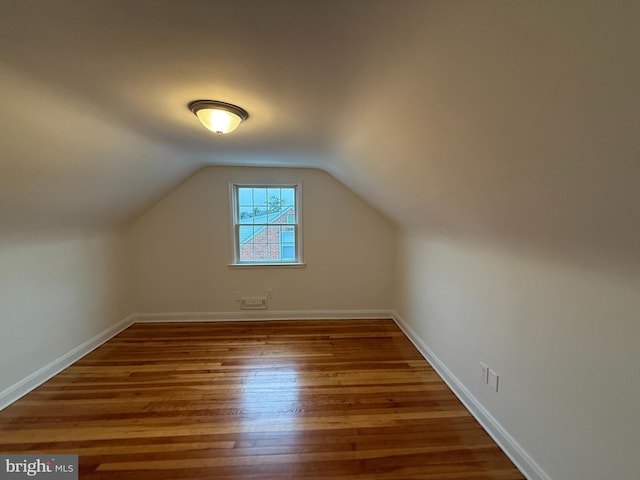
point(313, 400)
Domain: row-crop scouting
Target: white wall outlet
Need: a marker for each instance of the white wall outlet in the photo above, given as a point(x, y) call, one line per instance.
point(269, 294)
point(484, 372)
point(237, 296)
point(493, 380)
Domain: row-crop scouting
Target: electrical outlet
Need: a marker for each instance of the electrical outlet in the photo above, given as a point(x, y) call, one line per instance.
point(269, 294)
point(237, 296)
point(493, 380)
point(484, 373)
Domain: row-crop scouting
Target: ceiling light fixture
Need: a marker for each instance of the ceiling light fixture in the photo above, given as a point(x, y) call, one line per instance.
point(219, 117)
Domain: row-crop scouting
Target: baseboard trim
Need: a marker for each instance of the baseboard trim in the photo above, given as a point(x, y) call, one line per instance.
point(262, 315)
point(505, 441)
point(37, 378)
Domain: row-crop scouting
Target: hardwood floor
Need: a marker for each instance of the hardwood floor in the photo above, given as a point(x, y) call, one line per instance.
point(313, 400)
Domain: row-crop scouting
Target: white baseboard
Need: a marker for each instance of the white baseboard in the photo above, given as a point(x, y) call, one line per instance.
point(256, 315)
point(37, 378)
point(507, 443)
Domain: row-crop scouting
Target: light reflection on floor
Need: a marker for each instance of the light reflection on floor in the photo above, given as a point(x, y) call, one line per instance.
point(272, 396)
point(271, 403)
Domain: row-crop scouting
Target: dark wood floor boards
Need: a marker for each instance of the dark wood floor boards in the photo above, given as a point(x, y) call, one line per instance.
point(323, 400)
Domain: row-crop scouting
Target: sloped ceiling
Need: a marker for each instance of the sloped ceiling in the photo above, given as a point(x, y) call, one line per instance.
point(512, 120)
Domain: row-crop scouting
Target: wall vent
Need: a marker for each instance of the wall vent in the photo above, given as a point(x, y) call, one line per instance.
point(253, 303)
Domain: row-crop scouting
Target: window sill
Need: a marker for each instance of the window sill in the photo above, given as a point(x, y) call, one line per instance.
point(267, 265)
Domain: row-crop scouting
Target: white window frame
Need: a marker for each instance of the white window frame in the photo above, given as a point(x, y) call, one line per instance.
point(235, 225)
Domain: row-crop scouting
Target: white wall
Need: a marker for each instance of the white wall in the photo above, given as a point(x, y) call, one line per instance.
point(181, 249)
point(563, 338)
point(56, 292)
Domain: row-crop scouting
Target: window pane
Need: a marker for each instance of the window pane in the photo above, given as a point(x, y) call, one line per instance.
point(246, 234)
point(271, 247)
point(245, 196)
point(260, 249)
point(288, 236)
point(274, 252)
point(274, 198)
point(246, 252)
point(260, 198)
point(288, 252)
point(246, 215)
point(288, 196)
point(258, 252)
point(272, 234)
point(259, 216)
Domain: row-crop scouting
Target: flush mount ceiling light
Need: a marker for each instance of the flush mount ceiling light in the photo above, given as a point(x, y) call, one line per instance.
point(219, 117)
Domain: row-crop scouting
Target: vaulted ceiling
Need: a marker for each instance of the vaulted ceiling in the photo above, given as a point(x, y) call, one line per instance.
point(495, 119)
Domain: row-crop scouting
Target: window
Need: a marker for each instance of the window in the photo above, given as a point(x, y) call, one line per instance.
point(266, 224)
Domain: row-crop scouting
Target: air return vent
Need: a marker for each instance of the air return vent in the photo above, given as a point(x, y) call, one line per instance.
point(253, 303)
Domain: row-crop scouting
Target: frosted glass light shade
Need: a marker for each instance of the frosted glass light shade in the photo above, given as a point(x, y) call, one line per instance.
point(218, 121)
point(219, 117)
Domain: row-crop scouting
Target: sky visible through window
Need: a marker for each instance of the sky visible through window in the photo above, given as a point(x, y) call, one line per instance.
point(255, 203)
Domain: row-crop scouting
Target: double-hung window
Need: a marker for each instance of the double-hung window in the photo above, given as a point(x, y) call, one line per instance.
point(266, 224)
